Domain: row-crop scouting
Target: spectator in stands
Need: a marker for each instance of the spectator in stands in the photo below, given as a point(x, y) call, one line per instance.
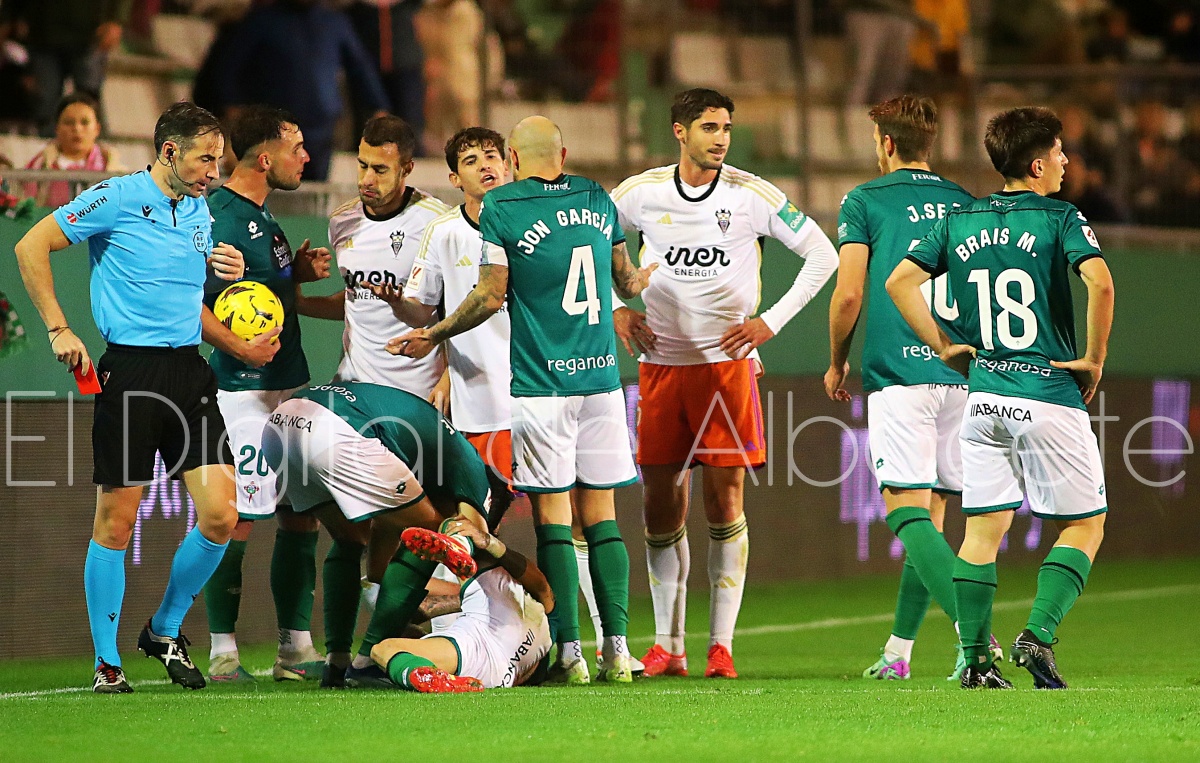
point(289, 54)
point(388, 33)
point(1111, 44)
point(75, 147)
point(1189, 142)
point(1024, 32)
point(880, 32)
point(451, 33)
point(1160, 178)
point(67, 38)
point(1182, 38)
point(1087, 189)
point(937, 49)
point(1081, 135)
point(536, 75)
point(591, 41)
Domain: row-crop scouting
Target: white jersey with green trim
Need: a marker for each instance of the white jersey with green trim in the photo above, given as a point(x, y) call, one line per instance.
point(447, 268)
point(707, 243)
point(371, 250)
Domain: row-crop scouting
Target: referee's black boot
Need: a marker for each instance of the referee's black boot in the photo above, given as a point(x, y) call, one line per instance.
point(172, 653)
point(110, 679)
point(1036, 656)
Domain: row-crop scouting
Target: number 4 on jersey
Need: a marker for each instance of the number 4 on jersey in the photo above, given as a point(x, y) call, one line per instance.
point(583, 265)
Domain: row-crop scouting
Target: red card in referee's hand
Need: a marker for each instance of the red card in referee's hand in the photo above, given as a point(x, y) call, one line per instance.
point(88, 383)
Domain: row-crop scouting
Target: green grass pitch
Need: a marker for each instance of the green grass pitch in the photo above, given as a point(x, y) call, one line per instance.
point(1129, 649)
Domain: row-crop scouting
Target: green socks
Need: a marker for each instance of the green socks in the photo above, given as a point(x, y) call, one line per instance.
point(400, 595)
point(402, 664)
point(341, 578)
point(1060, 581)
point(912, 602)
point(294, 578)
point(608, 561)
point(223, 591)
point(975, 590)
point(926, 549)
point(556, 558)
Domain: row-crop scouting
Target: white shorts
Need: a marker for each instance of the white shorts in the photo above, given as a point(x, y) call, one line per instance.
point(913, 432)
point(245, 412)
point(1013, 446)
point(327, 460)
point(502, 634)
point(561, 442)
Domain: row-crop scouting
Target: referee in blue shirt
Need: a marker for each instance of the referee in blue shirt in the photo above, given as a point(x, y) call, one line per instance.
point(149, 238)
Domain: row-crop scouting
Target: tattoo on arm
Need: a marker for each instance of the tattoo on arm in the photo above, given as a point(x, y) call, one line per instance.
point(625, 275)
point(436, 606)
point(482, 303)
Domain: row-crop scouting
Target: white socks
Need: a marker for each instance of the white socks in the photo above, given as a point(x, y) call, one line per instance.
point(222, 643)
point(614, 646)
point(728, 551)
point(569, 652)
point(294, 642)
point(585, 585)
point(669, 558)
point(898, 648)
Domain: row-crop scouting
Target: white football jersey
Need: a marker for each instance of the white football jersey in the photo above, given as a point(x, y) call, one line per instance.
point(517, 625)
point(370, 251)
point(706, 242)
point(447, 267)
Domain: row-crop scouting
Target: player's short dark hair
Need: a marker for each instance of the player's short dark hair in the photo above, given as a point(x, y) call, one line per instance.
point(472, 137)
point(691, 104)
point(257, 125)
point(74, 98)
point(386, 128)
point(1016, 137)
point(183, 123)
point(911, 121)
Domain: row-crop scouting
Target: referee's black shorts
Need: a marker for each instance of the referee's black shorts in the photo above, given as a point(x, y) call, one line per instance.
point(155, 399)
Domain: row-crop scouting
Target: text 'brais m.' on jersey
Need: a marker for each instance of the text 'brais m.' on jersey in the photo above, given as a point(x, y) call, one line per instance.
point(447, 466)
point(890, 215)
point(556, 238)
point(447, 268)
point(381, 251)
point(1009, 257)
point(707, 243)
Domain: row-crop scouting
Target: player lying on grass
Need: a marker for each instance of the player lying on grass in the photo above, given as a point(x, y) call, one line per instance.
point(502, 638)
point(371, 461)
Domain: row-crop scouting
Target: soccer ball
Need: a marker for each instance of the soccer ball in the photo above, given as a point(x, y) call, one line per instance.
point(248, 308)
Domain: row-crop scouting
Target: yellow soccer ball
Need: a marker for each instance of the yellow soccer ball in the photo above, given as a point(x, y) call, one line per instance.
point(248, 308)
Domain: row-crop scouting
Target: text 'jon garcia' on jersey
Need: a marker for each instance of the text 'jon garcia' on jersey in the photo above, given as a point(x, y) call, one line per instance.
point(565, 218)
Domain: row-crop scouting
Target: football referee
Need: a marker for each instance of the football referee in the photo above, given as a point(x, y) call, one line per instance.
point(149, 239)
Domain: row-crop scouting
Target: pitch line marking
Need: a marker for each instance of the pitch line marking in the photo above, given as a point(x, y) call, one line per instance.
point(1130, 594)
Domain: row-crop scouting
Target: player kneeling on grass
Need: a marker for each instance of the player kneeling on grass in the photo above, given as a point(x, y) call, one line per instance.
point(1026, 429)
point(502, 638)
point(371, 461)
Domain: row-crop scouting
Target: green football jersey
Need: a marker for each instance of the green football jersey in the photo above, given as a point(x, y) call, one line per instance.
point(891, 215)
point(557, 238)
point(1009, 257)
point(447, 466)
point(254, 232)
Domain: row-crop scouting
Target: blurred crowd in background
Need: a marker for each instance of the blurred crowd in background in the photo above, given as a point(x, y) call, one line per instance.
point(1117, 71)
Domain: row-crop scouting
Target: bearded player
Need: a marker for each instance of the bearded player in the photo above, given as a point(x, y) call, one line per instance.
point(253, 378)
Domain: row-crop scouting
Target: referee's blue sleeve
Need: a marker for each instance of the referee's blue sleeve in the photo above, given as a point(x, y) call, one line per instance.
point(92, 212)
